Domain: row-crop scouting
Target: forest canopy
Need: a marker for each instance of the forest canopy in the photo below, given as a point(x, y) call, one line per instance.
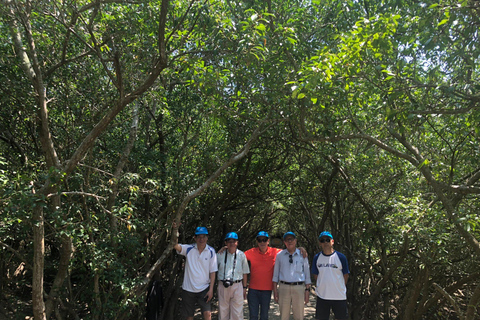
point(118, 118)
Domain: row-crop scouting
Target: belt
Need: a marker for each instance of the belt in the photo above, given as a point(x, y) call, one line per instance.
point(234, 281)
point(292, 283)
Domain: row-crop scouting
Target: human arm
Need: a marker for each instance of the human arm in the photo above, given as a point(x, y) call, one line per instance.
point(209, 295)
point(213, 270)
point(222, 249)
point(275, 292)
point(176, 246)
point(345, 269)
point(308, 279)
point(303, 252)
point(276, 277)
point(307, 294)
point(306, 270)
point(245, 286)
point(246, 272)
point(314, 269)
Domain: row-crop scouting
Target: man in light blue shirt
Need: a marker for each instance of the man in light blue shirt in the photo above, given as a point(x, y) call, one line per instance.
point(292, 274)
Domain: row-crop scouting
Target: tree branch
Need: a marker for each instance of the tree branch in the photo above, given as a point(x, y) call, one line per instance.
point(17, 254)
point(195, 193)
point(450, 299)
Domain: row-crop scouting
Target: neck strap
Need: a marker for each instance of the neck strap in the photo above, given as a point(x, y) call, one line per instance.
point(225, 265)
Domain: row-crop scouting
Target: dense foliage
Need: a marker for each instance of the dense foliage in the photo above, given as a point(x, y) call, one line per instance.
point(119, 117)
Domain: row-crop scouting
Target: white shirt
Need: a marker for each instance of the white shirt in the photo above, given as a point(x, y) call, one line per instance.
point(241, 265)
point(296, 271)
point(330, 280)
point(198, 267)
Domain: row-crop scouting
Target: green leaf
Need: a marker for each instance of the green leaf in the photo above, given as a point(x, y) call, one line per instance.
point(291, 40)
point(261, 27)
point(442, 22)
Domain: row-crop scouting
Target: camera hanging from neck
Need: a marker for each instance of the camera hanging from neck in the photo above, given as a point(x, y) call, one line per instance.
point(228, 282)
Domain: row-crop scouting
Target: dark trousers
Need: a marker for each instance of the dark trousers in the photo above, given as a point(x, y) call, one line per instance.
point(259, 300)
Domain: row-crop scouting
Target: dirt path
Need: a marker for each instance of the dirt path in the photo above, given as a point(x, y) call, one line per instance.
point(273, 313)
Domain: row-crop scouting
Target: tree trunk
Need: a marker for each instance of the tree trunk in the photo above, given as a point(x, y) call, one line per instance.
point(38, 263)
point(119, 169)
point(98, 301)
point(472, 304)
point(66, 253)
point(372, 300)
point(140, 288)
point(410, 307)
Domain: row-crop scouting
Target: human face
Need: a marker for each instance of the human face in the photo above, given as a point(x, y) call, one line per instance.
point(290, 242)
point(326, 243)
point(263, 243)
point(201, 240)
point(231, 244)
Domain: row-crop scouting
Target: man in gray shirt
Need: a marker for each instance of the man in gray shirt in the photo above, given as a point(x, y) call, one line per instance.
point(292, 274)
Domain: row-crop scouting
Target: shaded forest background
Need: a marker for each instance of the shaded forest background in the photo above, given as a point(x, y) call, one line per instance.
point(118, 117)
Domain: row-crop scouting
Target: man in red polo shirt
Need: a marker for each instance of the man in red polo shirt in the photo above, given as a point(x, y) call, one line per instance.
point(262, 262)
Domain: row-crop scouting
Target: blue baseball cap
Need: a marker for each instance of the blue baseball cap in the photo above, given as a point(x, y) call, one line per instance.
point(325, 234)
point(201, 230)
point(231, 235)
point(263, 234)
point(289, 233)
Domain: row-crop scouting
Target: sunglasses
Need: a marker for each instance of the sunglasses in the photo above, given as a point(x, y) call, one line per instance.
point(262, 240)
point(290, 259)
point(325, 240)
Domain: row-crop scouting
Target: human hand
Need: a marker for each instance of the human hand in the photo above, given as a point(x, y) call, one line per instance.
point(303, 252)
point(222, 249)
point(177, 234)
point(209, 296)
point(175, 225)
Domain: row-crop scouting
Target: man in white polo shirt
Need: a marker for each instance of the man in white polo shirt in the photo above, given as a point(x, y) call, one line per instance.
point(232, 280)
point(199, 278)
point(330, 269)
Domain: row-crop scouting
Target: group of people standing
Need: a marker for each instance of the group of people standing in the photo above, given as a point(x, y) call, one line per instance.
point(285, 272)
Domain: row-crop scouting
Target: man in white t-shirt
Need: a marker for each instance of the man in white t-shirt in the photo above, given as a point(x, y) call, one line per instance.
point(199, 278)
point(330, 269)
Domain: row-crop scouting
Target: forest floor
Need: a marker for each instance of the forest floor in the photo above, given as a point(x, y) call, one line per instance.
point(274, 312)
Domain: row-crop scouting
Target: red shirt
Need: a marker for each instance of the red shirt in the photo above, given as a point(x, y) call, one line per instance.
point(261, 267)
